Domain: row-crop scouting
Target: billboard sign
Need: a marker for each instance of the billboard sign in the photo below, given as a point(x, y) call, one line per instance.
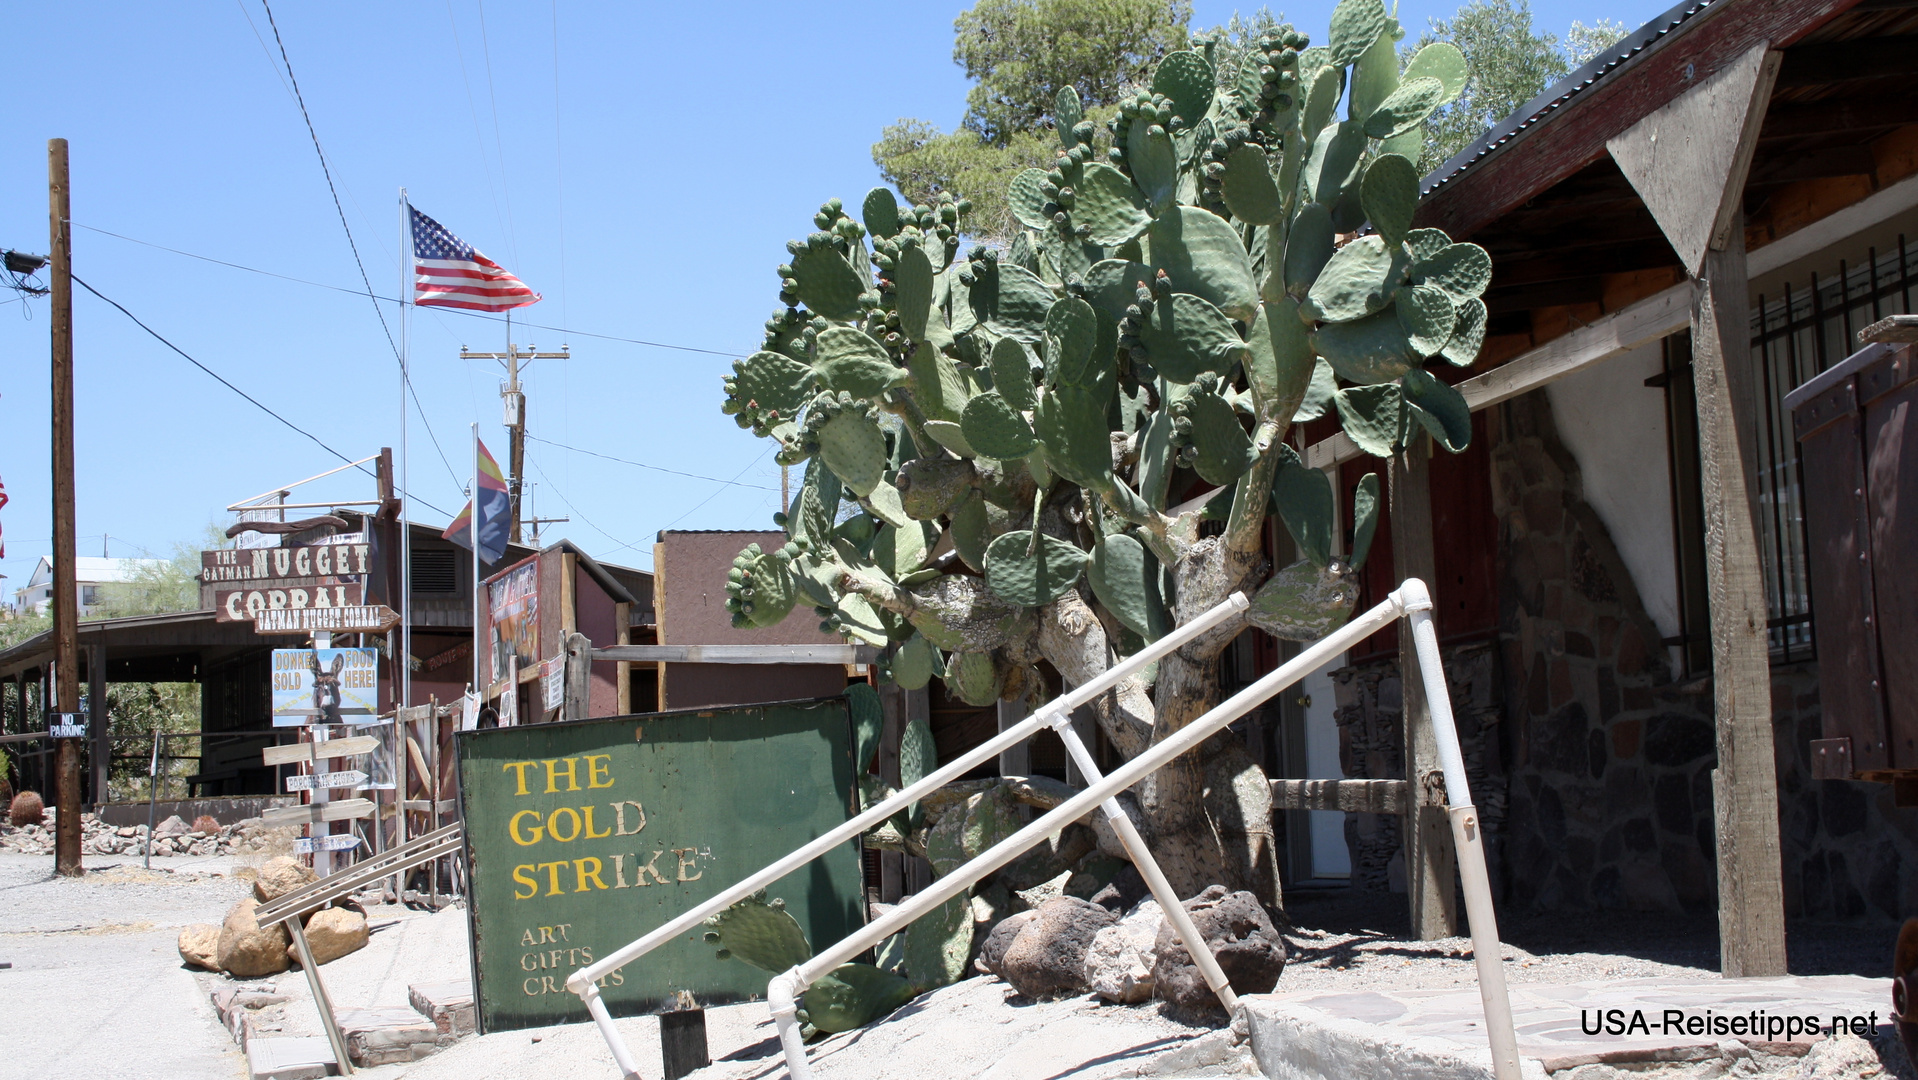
point(512, 598)
point(325, 686)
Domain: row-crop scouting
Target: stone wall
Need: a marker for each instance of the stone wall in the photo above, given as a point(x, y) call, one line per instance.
point(1848, 852)
point(1370, 714)
point(1610, 762)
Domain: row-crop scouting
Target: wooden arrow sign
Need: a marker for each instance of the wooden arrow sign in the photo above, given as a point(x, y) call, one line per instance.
point(331, 748)
point(306, 845)
point(343, 810)
point(345, 779)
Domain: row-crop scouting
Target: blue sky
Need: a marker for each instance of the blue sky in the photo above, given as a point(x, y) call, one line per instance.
point(642, 165)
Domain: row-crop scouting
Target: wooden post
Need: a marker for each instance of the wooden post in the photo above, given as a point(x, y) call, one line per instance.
point(1429, 858)
point(97, 720)
point(1688, 162)
point(1014, 760)
point(682, 1042)
point(66, 591)
point(321, 1000)
point(579, 678)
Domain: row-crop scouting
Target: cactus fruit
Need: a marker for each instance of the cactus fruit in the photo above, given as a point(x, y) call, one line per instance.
point(760, 932)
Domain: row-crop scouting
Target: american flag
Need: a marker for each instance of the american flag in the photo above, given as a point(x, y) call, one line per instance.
point(447, 272)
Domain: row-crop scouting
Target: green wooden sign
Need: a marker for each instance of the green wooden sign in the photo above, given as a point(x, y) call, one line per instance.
point(582, 836)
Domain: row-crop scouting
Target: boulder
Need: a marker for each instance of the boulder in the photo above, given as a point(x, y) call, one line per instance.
point(1120, 959)
point(200, 946)
point(246, 950)
point(281, 875)
point(172, 826)
point(993, 952)
point(331, 933)
point(1238, 931)
point(1049, 954)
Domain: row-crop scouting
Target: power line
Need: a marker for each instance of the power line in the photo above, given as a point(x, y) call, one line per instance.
point(395, 300)
point(734, 482)
point(223, 382)
point(716, 493)
point(348, 229)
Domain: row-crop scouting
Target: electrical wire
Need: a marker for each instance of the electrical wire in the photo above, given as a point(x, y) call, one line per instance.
point(348, 229)
point(716, 493)
point(394, 300)
point(734, 482)
point(221, 379)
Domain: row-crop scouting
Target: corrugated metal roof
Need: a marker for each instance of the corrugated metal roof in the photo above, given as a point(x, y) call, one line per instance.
point(1540, 108)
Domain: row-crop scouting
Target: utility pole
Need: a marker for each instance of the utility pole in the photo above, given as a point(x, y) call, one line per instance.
point(66, 592)
point(514, 400)
point(535, 520)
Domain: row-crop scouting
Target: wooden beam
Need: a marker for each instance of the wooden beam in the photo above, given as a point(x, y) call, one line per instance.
point(1818, 163)
point(741, 654)
point(1430, 860)
point(1846, 116)
point(1545, 152)
point(1832, 62)
point(1351, 796)
point(1674, 157)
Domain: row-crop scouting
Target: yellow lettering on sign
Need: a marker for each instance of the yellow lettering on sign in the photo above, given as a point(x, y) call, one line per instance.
point(590, 834)
point(594, 770)
point(522, 766)
point(523, 875)
point(552, 824)
point(552, 869)
point(513, 827)
point(552, 774)
point(585, 875)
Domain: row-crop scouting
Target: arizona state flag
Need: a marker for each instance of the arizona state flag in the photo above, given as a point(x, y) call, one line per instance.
point(494, 513)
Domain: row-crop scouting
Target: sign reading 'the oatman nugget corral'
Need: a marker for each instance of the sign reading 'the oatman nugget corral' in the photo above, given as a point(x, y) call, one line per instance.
point(584, 835)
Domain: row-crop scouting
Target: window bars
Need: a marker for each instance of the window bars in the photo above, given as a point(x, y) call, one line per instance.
point(1411, 601)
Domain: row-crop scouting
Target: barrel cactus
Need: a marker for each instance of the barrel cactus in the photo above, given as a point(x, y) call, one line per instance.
point(1058, 450)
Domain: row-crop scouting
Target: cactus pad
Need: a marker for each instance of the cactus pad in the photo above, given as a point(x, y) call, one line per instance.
point(1248, 188)
point(1428, 316)
point(850, 362)
point(1185, 335)
point(1221, 449)
point(1468, 334)
point(912, 664)
point(1012, 373)
point(1071, 425)
point(854, 448)
point(1109, 207)
point(853, 995)
point(1305, 503)
point(1026, 201)
point(1390, 194)
point(868, 722)
point(1438, 408)
point(1072, 334)
point(1374, 349)
point(974, 676)
point(1010, 300)
point(1359, 279)
point(901, 551)
point(939, 943)
point(913, 288)
point(768, 388)
point(827, 283)
point(951, 436)
point(994, 428)
point(1405, 108)
point(937, 386)
point(1111, 285)
point(761, 590)
point(1186, 80)
point(880, 213)
point(1334, 162)
point(1204, 256)
point(1308, 247)
point(1464, 270)
point(761, 933)
point(1365, 519)
point(816, 506)
point(1279, 362)
point(1125, 580)
point(1355, 25)
point(1304, 602)
point(1373, 417)
point(1442, 61)
point(969, 535)
point(1034, 579)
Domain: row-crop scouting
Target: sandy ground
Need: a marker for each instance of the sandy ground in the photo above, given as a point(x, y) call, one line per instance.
point(105, 944)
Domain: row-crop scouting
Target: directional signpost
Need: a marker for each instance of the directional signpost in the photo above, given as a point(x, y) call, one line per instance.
point(357, 619)
point(345, 779)
point(306, 845)
point(313, 813)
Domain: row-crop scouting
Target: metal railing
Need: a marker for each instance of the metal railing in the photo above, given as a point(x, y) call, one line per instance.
point(1411, 601)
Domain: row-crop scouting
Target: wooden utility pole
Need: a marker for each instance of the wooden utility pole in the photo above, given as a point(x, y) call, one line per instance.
point(66, 592)
point(513, 397)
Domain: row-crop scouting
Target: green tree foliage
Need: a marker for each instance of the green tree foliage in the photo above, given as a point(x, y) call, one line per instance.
point(1021, 53)
point(160, 586)
point(1511, 62)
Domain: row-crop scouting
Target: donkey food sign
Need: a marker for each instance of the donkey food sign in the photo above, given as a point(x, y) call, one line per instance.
point(325, 686)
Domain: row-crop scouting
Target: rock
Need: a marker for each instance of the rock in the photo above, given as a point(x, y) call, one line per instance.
point(1238, 931)
point(1123, 892)
point(1037, 896)
point(331, 933)
point(245, 950)
point(27, 809)
point(1120, 959)
point(128, 831)
point(993, 952)
point(200, 946)
point(1049, 954)
point(281, 875)
point(206, 825)
point(172, 826)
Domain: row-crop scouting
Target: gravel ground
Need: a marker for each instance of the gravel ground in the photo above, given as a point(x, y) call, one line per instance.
point(104, 945)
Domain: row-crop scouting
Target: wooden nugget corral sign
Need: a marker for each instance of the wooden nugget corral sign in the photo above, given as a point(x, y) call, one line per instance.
point(248, 581)
point(582, 836)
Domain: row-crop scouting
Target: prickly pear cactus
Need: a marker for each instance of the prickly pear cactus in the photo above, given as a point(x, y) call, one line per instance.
point(995, 439)
point(759, 931)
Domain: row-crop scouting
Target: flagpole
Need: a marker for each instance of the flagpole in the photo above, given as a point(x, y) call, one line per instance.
point(406, 461)
point(473, 533)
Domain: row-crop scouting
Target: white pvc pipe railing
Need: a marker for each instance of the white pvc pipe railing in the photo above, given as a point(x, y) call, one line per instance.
point(1411, 601)
point(584, 982)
